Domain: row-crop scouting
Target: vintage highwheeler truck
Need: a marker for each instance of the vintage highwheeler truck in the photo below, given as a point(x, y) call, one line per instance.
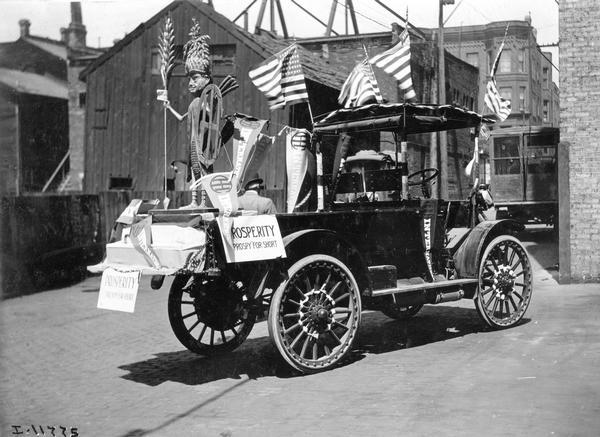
point(313, 273)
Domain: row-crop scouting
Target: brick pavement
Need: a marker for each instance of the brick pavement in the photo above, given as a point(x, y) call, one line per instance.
point(442, 373)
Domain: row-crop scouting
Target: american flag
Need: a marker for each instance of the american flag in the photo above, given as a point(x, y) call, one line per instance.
point(281, 79)
point(360, 86)
point(396, 61)
point(497, 104)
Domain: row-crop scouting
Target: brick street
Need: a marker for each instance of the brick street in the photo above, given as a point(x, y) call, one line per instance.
point(65, 362)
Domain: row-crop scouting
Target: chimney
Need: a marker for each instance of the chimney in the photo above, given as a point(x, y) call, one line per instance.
point(76, 32)
point(24, 27)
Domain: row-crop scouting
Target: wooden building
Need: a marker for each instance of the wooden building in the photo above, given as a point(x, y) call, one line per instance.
point(124, 121)
point(124, 129)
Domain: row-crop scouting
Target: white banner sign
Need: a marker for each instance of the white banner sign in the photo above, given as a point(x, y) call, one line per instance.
point(253, 238)
point(296, 158)
point(118, 290)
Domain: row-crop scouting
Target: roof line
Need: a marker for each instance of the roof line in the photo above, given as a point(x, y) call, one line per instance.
point(205, 9)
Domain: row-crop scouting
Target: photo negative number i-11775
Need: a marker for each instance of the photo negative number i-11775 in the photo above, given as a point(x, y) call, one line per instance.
point(370, 244)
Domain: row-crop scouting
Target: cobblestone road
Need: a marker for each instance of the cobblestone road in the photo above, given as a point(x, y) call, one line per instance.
point(64, 362)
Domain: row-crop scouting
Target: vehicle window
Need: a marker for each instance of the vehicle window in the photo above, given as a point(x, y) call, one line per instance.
point(540, 153)
point(506, 155)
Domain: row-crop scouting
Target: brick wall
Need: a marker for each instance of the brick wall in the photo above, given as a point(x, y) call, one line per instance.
point(579, 124)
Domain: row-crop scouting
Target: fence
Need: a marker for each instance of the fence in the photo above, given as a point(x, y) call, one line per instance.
point(46, 240)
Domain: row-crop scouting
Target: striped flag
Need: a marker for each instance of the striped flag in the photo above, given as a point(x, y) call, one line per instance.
point(360, 87)
point(281, 79)
point(396, 61)
point(497, 104)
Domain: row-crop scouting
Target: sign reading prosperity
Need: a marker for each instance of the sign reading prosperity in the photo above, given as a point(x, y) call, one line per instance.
point(253, 238)
point(118, 290)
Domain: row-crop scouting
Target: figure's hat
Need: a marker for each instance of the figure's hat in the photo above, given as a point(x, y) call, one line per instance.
point(196, 52)
point(255, 181)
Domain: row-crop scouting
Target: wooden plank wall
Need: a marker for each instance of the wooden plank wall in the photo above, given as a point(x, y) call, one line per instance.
point(8, 145)
point(131, 143)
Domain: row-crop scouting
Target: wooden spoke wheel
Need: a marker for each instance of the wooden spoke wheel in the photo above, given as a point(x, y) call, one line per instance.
point(505, 283)
point(315, 314)
point(209, 316)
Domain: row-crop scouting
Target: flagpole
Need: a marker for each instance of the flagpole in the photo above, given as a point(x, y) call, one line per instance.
point(319, 161)
point(475, 180)
point(403, 145)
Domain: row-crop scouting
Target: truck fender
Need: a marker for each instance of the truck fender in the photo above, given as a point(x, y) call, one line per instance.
point(306, 242)
point(468, 255)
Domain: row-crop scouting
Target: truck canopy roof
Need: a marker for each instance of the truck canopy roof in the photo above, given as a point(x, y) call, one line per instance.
point(399, 117)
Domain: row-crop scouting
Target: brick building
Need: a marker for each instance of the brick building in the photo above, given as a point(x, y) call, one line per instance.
point(41, 102)
point(524, 74)
point(579, 153)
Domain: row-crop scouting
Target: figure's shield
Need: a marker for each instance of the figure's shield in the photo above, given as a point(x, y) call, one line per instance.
point(209, 131)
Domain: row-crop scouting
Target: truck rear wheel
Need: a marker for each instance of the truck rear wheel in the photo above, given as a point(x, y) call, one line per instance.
point(209, 316)
point(505, 283)
point(315, 314)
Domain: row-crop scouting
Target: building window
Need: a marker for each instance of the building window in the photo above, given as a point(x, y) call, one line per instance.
point(506, 156)
point(521, 60)
point(155, 62)
point(522, 91)
point(545, 76)
point(82, 100)
point(505, 64)
point(120, 183)
point(545, 109)
point(473, 59)
point(223, 59)
point(506, 92)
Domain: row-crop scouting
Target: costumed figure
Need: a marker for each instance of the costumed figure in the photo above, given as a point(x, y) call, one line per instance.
point(204, 112)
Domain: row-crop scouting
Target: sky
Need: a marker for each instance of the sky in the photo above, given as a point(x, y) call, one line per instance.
point(107, 20)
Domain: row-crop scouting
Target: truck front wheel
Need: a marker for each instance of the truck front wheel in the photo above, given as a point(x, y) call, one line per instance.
point(315, 314)
point(505, 283)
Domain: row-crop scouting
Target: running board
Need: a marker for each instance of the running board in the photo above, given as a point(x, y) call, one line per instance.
point(403, 287)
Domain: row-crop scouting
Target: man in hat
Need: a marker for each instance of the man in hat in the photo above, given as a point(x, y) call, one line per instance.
point(252, 200)
point(196, 54)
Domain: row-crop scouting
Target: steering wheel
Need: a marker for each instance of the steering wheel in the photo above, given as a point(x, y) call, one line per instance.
point(427, 175)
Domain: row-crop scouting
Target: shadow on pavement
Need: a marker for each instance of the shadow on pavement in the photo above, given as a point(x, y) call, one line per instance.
point(430, 325)
point(257, 357)
point(142, 432)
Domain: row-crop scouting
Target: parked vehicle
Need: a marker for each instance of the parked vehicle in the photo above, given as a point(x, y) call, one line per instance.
point(523, 175)
point(391, 253)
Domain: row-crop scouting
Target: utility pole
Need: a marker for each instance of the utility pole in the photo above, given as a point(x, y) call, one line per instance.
point(442, 101)
point(433, 145)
